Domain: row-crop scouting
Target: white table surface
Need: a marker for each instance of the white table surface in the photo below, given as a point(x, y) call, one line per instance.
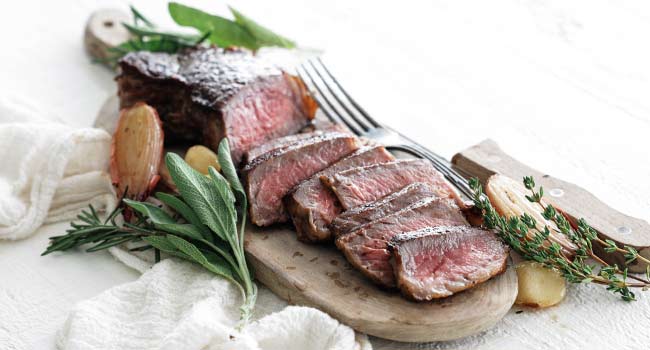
point(561, 85)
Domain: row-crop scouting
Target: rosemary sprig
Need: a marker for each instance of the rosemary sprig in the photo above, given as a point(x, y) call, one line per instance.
point(204, 231)
point(531, 242)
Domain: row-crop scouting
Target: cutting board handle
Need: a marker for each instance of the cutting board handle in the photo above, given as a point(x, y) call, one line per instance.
point(486, 159)
point(104, 30)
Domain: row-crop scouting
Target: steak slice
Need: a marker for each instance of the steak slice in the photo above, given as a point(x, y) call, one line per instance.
point(288, 140)
point(367, 247)
point(271, 176)
point(312, 206)
point(324, 124)
point(205, 94)
point(353, 219)
point(358, 186)
point(437, 262)
point(276, 144)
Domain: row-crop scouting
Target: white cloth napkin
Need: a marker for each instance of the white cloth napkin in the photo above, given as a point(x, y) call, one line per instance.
point(50, 172)
point(177, 305)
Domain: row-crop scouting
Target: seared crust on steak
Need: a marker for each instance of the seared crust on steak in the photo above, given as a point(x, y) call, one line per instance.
point(205, 94)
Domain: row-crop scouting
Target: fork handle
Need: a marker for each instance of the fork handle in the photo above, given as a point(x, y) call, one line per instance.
point(486, 159)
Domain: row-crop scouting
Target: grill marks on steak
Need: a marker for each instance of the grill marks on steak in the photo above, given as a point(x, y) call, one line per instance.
point(205, 94)
point(312, 206)
point(271, 176)
point(367, 247)
point(362, 185)
point(437, 262)
point(354, 218)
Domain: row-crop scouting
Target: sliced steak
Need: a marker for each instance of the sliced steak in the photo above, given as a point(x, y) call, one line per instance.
point(358, 186)
point(354, 218)
point(367, 247)
point(324, 124)
point(437, 262)
point(276, 144)
point(271, 176)
point(312, 206)
point(288, 140)
point(205, 94)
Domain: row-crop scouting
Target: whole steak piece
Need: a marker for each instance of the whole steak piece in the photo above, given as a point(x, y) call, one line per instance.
point(312, 206)
point(437, 262)
point(205, 94)
point(354, 218)
point(367, 247)
point(358, 186)
point(272, 175)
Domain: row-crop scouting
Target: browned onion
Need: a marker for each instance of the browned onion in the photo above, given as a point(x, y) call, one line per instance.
point(136, 151)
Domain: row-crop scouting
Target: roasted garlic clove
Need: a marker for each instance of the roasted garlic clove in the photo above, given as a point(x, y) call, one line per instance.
point(200, 158)
point(509, 199)
point(539, 286)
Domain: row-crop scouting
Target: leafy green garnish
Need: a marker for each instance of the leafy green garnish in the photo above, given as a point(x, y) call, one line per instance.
point(263, 36)
point(204, 231)
point(224, 32)
point(211, 29)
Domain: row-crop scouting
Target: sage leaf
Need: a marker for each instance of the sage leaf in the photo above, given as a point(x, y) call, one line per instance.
point(262, 35)
point(197, 256)
point(223, 32)
point(215, 259)
point(223, 187)
point(186, 212)
point(164, 245)
point(187, 230)
point(160, 242)
point(230, 173)
point(150, 211)
point(202, 196)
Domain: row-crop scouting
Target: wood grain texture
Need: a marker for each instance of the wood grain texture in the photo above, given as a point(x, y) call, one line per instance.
point(486, 159)
point(319, 276)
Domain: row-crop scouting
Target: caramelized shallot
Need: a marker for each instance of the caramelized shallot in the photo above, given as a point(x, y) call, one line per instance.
point(136, 151)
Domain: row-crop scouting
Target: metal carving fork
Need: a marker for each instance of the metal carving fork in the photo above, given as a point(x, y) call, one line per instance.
point(341, 108)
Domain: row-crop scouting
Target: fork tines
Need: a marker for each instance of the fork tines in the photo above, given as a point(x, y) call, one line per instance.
point(340, 107)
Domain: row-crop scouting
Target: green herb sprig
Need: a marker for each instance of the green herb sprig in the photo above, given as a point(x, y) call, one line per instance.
point(204, 230)
point(531, 242)
point(212, 29)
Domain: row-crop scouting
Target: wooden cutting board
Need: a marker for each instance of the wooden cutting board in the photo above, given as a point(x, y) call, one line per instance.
point(319, 276)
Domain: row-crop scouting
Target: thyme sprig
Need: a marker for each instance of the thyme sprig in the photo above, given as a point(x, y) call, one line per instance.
point(531, 242)
point(204, 229)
